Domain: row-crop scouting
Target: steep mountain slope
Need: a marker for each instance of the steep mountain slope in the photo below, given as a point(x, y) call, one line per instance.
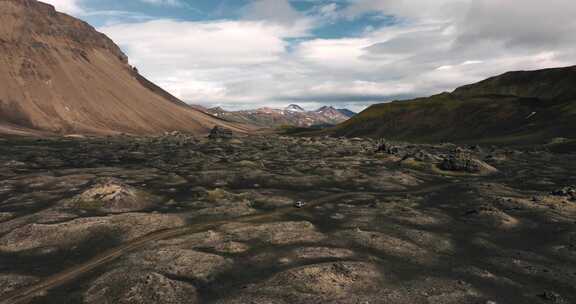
point(347, 113)
point(334, 114)
point(517, 107)
point(292, 115)
point(59, 75)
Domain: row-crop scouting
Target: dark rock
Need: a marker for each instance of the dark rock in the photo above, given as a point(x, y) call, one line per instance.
point(476, 148)
point(464, 162)
point(220, 133)
point(552, 297)
point(388, 148)
point(569, 191)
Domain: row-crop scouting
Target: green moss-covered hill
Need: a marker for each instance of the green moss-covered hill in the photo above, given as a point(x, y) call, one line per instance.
point(516, 107)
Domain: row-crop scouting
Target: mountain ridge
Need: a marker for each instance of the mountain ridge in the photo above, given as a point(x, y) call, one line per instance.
point(545, 84)
point(515, 107)
point(292, 115)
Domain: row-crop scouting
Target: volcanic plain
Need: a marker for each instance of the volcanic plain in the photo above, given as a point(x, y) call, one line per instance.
point(274, 219)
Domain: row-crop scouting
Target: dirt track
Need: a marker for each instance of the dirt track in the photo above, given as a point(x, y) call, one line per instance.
point(61, 278)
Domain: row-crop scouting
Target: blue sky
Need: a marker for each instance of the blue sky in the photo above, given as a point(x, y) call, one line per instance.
point(242, 54)
point(214, 10)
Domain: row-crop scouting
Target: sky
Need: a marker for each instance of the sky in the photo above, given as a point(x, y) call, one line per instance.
point(245, 54)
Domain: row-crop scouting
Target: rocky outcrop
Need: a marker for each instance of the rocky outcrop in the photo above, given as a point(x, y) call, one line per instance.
point(220, 133)
point(386, 147)
point(342, 282)
point(464, 162)
point(111, 195)
point(569, 192)
point(129, 286)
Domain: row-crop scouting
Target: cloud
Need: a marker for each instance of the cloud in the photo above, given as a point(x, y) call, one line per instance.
point(279, 12)
point(270, 56)
point(200, 44)
point(330, 11)
point(533, 24)
point(71, 7)
point(164, 2)
point(436, 50)
point(205, 62)
point(409, 9)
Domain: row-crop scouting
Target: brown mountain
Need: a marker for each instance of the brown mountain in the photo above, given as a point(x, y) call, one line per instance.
point(59, 75)
point(513, 108)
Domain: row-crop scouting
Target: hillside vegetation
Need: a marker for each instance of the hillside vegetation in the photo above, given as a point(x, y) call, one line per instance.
point(516, 107)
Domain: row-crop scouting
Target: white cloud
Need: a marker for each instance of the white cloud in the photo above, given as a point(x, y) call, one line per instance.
point(329, 11)
point(335, 53)
point(71, 7)
point(437, 46)
point(279, 12)
point(205, 62)
point(443, 44)
point(410, 9)
point(164, 2)
point(198, 45)
point(529, 24)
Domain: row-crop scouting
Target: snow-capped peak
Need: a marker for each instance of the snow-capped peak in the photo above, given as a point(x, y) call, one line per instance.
point(295, 108)
point(325, 109)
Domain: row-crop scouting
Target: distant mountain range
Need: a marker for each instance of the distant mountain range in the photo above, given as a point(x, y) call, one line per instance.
point(516, 107)
point(292, 115)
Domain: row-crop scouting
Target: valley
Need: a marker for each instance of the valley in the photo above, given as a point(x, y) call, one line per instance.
point(115, 191)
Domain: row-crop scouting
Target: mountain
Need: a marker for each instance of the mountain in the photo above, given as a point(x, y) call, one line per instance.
point(347, 113)
point(295, 108)
point(516, 107)
point(292, 115)
point(333, 113)
point(58, 75)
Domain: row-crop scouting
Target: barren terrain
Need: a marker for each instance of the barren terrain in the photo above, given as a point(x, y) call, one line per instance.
point(178, 219)
point(58, 75)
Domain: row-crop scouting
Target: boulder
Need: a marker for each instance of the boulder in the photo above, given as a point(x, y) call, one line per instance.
point(388, 148)
point(464, 162)
point(220, 133)
point(113, 196)
point(569, 191)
